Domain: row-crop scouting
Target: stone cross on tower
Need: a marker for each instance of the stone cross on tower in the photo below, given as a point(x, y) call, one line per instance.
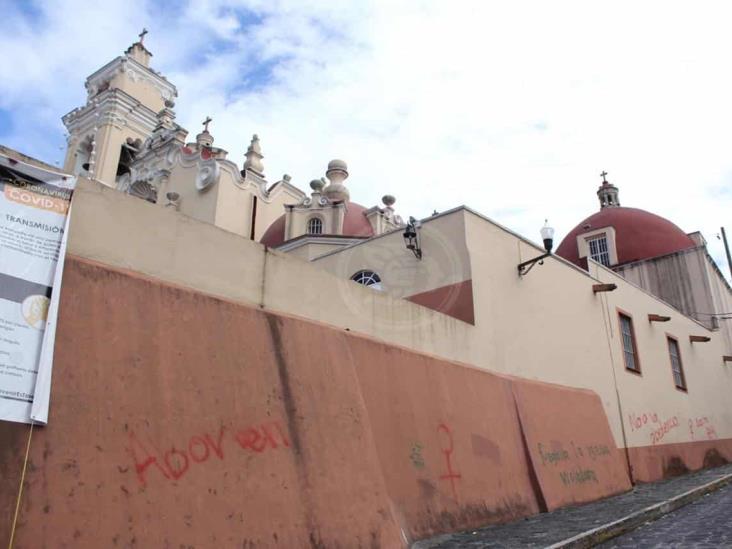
point(607, 193)
point(142, 35)
point(205, 139)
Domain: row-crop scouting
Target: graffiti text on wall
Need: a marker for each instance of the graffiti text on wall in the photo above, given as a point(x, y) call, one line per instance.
point(702, 426)
point(554, 454)
point(174, 462)
point(658, 428)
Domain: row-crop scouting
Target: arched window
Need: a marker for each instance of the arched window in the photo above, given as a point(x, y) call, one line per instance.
point(315, 225)
point(83, 156)
point(368, 278)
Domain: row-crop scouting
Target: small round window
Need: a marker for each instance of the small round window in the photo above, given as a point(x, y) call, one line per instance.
point(315, 225)
point(368, 278)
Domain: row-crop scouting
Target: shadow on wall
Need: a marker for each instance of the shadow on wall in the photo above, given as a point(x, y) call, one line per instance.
point(179, 418)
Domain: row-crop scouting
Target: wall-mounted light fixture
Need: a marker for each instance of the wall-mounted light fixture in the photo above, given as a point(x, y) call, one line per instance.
point(598, 288)
point(173, 200)
point(699, 339)
point(547, 235)
point(411, 237)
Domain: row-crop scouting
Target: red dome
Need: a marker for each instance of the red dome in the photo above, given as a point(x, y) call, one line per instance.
point(355, 224)
point(638, 235)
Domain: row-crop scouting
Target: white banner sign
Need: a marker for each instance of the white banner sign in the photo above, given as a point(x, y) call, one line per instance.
point(34, 204)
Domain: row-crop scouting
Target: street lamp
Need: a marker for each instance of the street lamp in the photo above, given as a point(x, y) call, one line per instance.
point(547, 235)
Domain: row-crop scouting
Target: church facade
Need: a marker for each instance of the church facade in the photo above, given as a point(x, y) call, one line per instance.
point(126, 137)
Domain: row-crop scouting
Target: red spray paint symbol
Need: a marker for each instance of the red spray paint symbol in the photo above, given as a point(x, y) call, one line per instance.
point(450, 475)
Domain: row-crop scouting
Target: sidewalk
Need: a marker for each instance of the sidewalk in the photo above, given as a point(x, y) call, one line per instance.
point(564, 527)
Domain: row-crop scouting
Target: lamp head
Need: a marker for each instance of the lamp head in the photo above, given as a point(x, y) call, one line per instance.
point(547, 235)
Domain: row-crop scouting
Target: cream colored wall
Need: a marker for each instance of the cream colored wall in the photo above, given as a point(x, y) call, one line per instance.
point(311, 250)
point(110, 227)
point(235, 201)
point(142, 90)
point(233, 204)
point(200, 205)
point(532, 321)
point(547, 325)
point(445, 258)
point(653, 392)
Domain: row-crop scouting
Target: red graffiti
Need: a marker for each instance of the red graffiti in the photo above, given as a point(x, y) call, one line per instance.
point(637, 422)
point(705, 424)
point(175, 462)
point(260, 439)
point(450, 475)
point(136, 448)
point(658, 433)
point(660, 427)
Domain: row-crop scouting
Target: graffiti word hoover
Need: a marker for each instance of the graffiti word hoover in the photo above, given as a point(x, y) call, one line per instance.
point(174, 462)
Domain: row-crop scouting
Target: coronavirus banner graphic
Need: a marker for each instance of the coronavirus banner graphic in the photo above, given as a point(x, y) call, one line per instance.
point(34, 206)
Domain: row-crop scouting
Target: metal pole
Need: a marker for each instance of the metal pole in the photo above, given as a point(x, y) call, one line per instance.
point(726, 249)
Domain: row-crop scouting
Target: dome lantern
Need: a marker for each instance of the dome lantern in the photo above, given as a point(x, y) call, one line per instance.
point(607, 193)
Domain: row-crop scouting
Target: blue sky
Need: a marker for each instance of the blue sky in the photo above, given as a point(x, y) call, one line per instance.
point(511, 108)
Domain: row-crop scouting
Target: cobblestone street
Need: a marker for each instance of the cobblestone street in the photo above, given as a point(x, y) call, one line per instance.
point(703, 524)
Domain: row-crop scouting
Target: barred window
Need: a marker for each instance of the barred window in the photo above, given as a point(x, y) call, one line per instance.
point(368, 278)
point(598, 250)
point(676, 367)
point(315, 225)
point(630, 350)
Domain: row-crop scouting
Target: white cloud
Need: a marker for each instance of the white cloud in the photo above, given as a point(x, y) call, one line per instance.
point(511, 108)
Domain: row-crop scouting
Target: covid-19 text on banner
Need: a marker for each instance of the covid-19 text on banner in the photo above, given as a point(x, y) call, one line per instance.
point(34, 208)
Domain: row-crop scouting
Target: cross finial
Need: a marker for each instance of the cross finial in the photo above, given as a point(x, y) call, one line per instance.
point(142, 34)
point(206, 123)
point(603, 174)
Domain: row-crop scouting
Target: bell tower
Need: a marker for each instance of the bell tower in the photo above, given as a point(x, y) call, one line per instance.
point(123, 99)
point(607, 193)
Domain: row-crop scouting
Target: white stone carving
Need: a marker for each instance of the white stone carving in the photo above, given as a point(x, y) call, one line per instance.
point(208, 174)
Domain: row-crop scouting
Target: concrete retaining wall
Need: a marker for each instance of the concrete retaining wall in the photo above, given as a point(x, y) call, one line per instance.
point(181, 419)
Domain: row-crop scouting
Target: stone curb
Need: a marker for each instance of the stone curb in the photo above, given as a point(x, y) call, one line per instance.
point(603, 533)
